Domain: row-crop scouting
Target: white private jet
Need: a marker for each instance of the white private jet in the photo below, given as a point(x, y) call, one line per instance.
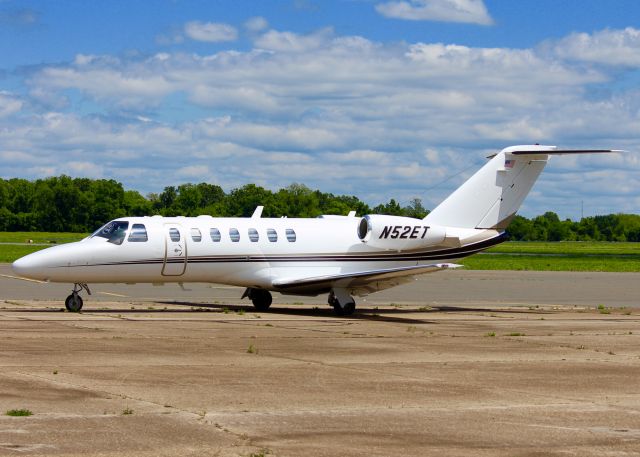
point(343, 256)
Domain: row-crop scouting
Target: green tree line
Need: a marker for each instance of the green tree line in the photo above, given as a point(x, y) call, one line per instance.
point(64, 204)
point(549, 227)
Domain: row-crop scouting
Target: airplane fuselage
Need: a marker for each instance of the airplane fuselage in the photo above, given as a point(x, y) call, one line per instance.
point(248, 252)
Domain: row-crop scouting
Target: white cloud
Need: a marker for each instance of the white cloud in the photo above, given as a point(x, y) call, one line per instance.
point(84, 168)
point(340, 113)
point(256, 24)
point(9, 104)
point(16, 156)
point(194, 171)
point(292, 42)
point(50, 99)
point(609, 47)
point(211, 32)
point(244, 98)
point(467, 11)
point(83, 59)
point(102, 78)
point(110, 83)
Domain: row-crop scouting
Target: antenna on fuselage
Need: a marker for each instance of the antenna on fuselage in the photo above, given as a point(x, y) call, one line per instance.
point(257, 214)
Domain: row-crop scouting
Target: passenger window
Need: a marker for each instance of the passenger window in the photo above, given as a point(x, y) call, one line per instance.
point(234, 234)
point(138, 233)
point(196, 235)
point(215, 235)
point(291, 235)
point(272, 235)
point(253, 235)
point(174, 234)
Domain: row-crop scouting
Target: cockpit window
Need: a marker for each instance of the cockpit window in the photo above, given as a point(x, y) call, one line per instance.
point(138, 234)
point(113, 231)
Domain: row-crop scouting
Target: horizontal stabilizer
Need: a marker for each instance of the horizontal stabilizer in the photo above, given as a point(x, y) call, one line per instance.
point(556, 151)
point(565, 151)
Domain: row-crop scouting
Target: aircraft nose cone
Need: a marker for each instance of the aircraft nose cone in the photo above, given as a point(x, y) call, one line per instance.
point(28, 267)
point(21, 266)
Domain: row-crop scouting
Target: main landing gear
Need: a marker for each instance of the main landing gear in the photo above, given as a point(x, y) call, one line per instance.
point(74, 302)
point(260, 298)
point(343, 303)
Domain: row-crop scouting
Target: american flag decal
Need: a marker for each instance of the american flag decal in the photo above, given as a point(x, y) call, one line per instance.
point(509, 163)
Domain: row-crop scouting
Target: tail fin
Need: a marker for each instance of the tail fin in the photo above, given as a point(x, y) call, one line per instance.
point(493, 195)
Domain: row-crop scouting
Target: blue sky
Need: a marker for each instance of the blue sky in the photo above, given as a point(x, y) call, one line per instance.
point(381, 99)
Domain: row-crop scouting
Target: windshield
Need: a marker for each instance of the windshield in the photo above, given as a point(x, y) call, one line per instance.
point(113, 231)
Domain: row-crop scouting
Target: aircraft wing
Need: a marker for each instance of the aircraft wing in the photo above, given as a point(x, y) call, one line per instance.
point(360, 283)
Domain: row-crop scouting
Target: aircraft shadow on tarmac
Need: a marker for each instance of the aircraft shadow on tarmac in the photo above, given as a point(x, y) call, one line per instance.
point(363, 313)
point(374, 314)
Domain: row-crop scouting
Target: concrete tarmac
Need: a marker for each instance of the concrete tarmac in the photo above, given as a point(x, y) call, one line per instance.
point(457, 363)
point(453, 287)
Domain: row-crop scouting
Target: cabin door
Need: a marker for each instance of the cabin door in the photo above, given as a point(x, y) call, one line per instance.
point(175, 254)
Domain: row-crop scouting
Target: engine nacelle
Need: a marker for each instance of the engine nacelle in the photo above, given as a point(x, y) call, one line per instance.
point(398, 233)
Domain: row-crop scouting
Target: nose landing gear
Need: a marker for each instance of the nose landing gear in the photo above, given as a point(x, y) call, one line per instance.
point(74, 302)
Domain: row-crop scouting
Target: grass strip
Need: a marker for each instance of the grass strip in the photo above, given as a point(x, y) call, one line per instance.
point(608, 263)
point(11, 252)
point(39, 240)
point(566, 247)
point(40, 237)
point(512, 255)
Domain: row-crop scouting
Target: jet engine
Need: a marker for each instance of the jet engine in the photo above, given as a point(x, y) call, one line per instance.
point(398, 233)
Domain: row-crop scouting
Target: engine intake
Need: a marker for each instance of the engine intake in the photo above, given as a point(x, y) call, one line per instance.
point(398, 233)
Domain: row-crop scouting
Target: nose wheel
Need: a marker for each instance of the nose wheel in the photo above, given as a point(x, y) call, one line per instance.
point(74, 302)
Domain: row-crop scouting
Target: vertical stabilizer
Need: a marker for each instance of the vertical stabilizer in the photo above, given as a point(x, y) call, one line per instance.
point(492, 196)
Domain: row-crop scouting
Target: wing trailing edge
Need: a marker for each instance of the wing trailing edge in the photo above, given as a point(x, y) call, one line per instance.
point(360, 283)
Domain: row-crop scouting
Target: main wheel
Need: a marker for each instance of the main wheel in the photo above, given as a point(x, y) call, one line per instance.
point(347, 310)
point(261, 299)
point(73, 303)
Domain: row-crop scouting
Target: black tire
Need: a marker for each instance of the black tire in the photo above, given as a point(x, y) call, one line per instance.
point(348, 309)
point(261, 299)
point(73, 303)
